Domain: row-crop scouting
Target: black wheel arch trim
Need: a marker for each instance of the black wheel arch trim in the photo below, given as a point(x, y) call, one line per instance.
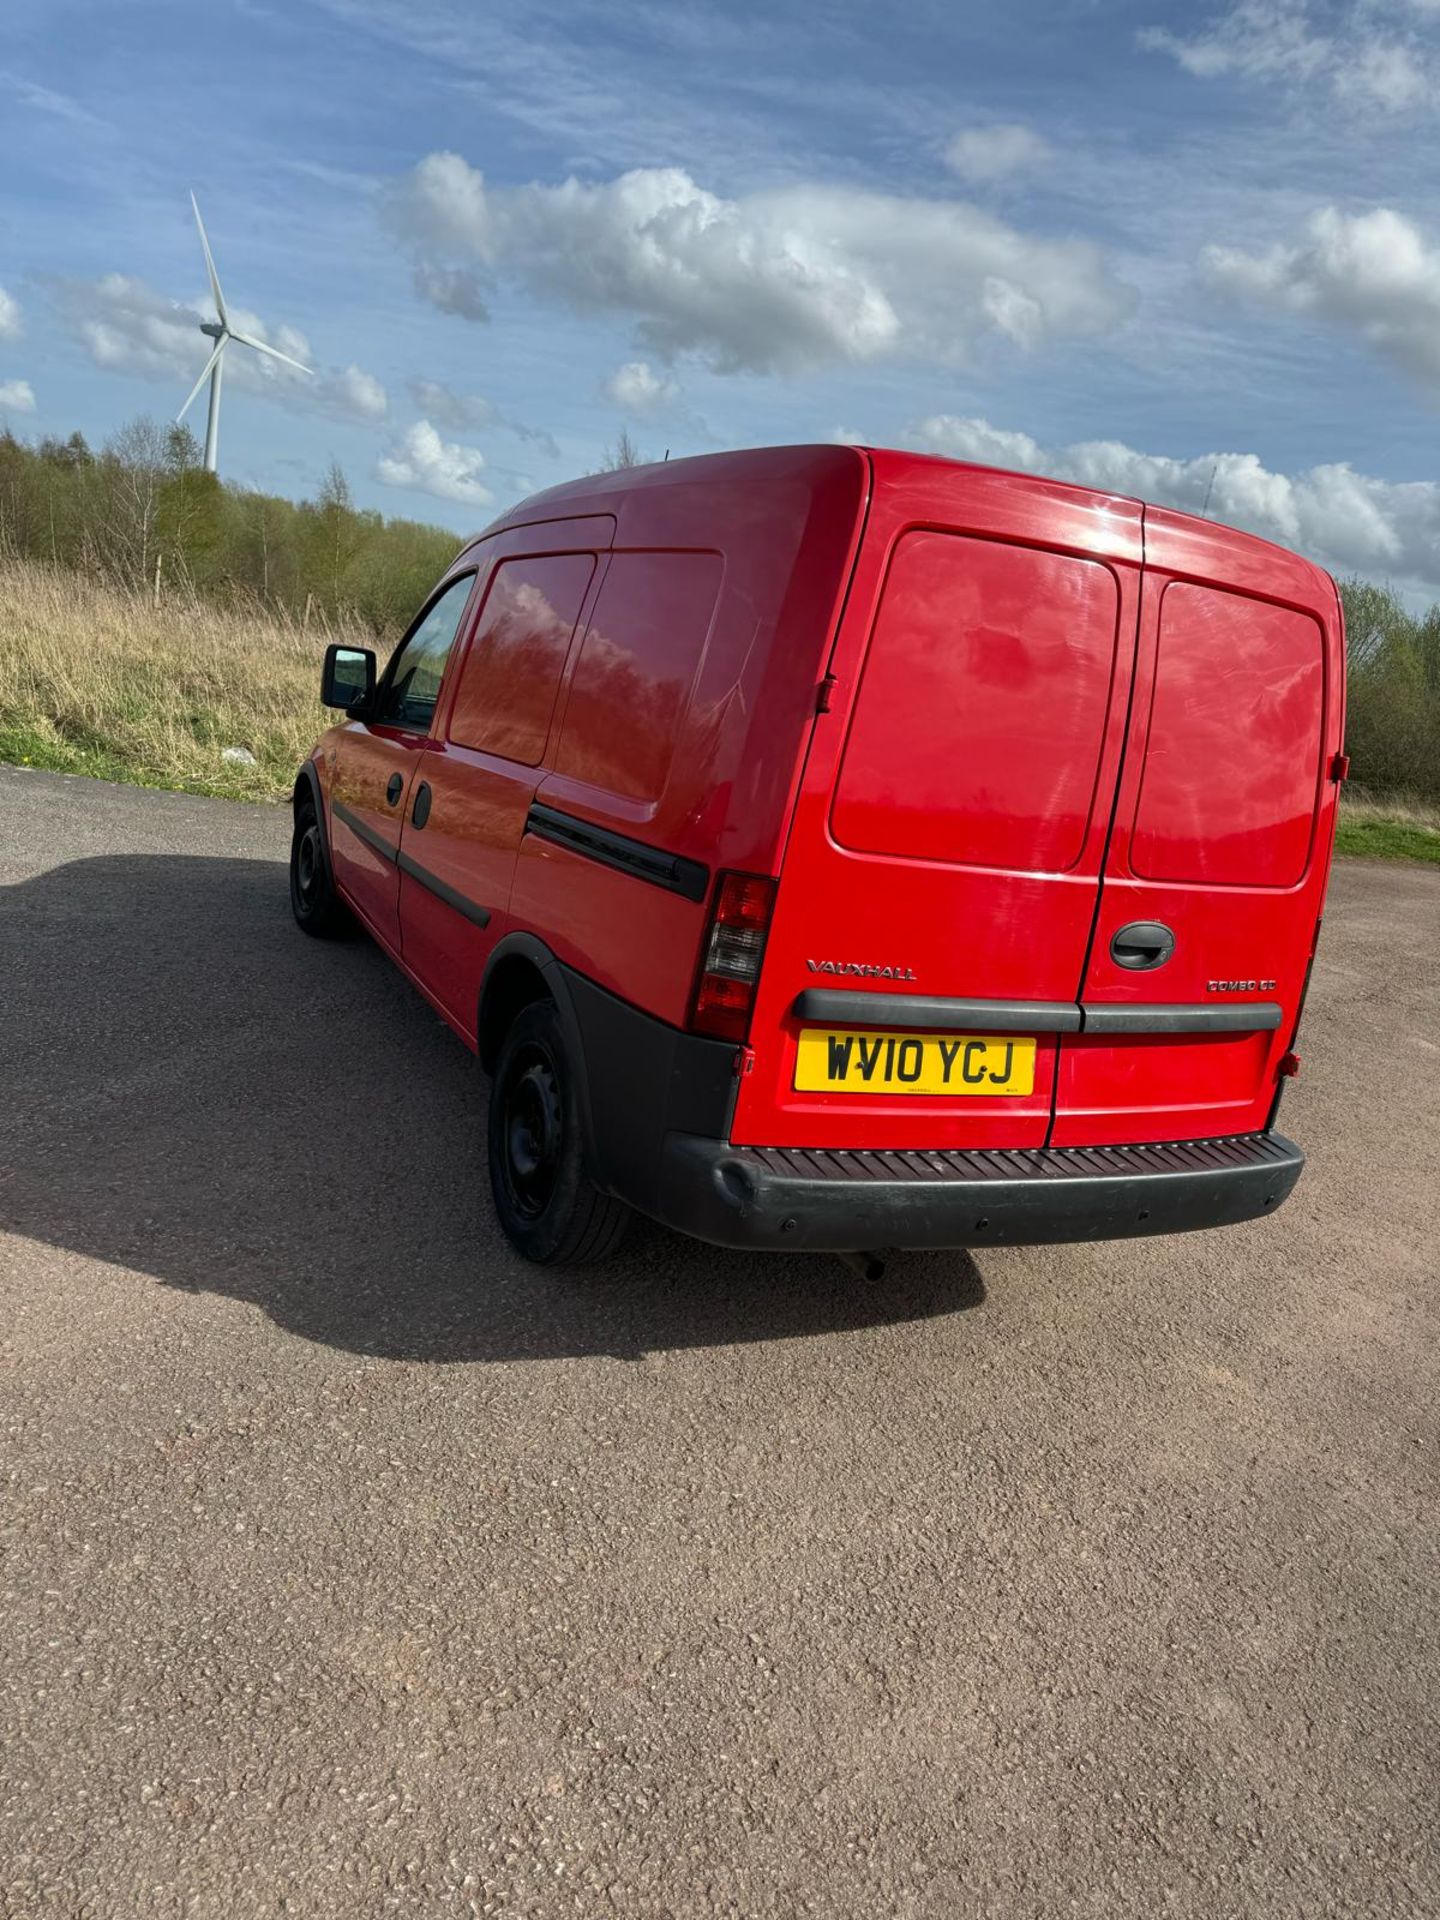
point(640, 1078)
point(527, 946)
point(309, 779)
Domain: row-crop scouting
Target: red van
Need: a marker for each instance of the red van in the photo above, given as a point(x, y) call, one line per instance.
point(836, 848)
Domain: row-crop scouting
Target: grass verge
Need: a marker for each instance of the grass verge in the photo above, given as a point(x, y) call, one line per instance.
point(99, 681)
point(1388, 840)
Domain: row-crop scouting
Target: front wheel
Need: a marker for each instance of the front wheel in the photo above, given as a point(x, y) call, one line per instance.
point(317, 908)
point(550, 1209)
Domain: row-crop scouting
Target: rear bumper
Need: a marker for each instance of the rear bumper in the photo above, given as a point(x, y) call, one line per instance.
point(792, 1198)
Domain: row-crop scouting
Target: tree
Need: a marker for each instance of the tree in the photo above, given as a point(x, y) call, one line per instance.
point(623, 454)
point(337, 536)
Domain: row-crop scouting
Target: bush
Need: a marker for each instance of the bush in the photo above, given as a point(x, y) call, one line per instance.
point(1392, 731)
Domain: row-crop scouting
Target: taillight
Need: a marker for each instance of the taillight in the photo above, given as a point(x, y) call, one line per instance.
point(725, 992)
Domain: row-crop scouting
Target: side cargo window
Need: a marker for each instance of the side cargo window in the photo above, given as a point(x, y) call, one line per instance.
point(412, 681)
point(638, 660)
point(512, 670)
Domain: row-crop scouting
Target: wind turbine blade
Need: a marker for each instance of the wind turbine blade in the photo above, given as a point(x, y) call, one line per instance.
point(247, 340)
point(209, 369)
point(210, 263)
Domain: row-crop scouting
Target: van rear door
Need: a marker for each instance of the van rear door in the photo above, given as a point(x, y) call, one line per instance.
point(1215, 875)
point(949, 829)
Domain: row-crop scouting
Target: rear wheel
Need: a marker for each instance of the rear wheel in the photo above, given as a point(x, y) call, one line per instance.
point(318, 909)
point(551, 1210)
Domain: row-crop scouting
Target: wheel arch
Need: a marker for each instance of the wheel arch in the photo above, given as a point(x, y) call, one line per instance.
point(521, 970)
point(307, 784)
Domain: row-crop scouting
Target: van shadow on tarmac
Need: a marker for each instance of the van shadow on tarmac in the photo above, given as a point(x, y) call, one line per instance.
point(198, 1092)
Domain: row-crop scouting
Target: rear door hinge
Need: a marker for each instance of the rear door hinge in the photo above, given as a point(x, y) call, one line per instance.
point(1340, 768)
point(823, 693)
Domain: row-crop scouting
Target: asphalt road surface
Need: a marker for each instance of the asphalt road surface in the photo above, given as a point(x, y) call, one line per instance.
point(352, 1567)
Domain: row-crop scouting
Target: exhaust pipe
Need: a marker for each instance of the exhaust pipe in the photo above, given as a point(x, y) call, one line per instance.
point(869, 1266)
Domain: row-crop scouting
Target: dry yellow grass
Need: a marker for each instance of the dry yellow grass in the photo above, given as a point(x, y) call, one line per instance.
point(97, 680)
point(1404, 809)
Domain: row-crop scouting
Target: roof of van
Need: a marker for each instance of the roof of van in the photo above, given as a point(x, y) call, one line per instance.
point(752, 465)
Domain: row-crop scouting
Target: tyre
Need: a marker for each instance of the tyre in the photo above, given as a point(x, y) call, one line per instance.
point(550, 1209)
point(318, 909)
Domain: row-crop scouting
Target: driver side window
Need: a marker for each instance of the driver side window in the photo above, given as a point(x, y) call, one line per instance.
point(412, 685)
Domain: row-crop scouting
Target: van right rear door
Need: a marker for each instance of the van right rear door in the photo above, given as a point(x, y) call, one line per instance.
point(948, 835)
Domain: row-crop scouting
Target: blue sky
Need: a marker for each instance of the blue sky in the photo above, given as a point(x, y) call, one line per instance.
point(1192, 253)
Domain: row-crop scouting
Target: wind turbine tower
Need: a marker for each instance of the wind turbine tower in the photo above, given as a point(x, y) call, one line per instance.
point(222, 333)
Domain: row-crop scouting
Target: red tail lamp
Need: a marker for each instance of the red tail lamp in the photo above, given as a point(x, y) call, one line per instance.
point(725, 991)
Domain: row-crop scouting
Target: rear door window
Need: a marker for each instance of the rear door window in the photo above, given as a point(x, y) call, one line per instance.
point(979, 723)
point(506, 696)
point(1232, 758)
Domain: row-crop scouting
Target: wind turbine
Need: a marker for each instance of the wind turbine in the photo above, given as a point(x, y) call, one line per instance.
point(222, 333)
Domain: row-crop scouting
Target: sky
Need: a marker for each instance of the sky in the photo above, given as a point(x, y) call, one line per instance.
point(1191, 253)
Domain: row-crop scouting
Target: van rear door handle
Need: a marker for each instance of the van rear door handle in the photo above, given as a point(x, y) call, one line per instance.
point(1141, 945)
point(393, 787)
point(420, 812)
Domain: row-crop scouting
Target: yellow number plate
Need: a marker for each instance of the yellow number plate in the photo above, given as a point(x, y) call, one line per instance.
point(834, 1060)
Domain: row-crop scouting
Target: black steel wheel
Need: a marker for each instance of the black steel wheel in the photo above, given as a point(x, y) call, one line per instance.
point(550, 1209)
point(317, 908)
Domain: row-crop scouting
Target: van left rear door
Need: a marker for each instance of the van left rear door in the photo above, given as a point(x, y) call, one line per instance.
point(1215, 874)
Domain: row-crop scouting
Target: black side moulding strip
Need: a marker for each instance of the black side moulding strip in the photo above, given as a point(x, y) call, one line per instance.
point(362, 830)
point(452, 896)
point(689, 878)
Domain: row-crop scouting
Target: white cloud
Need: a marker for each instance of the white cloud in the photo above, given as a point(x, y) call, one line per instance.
point(469, 412)
point(1345, 520)
point(11, 326)
point(45, 100)
point(1374, 273)
point(127, 327)
point(638, 389)
point(473, 413)
point(16, 396)
point(1369, 58)
point(780, 281)
point(420, 460)
point(985, 154)
point(451, 289)
point(350, 394)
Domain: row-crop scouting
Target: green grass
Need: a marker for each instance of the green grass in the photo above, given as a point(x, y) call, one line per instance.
point(1388, 840)
point(22, 746)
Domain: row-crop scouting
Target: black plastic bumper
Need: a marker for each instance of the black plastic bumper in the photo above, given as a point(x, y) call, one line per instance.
point(790, 1197)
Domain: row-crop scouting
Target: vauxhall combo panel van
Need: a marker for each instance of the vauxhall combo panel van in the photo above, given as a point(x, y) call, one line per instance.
point(837, 848)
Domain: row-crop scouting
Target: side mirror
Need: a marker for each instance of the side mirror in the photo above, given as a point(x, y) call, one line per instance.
point(349, 676)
